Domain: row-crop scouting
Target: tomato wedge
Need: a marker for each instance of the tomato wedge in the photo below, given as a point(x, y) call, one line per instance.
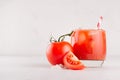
point(72, 62)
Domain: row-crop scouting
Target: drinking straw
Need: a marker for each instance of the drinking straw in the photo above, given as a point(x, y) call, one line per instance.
point(99, 22)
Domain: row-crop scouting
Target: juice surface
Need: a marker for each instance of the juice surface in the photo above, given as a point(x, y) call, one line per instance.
point(89, 44)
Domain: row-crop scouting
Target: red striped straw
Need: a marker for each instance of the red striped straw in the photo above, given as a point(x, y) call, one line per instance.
point(99, 22)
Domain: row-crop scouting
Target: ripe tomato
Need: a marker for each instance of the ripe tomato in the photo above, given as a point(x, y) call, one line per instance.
point(56, 51)
point(72, 62)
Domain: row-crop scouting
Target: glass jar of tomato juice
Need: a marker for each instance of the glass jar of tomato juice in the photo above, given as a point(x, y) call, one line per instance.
point(89, 46)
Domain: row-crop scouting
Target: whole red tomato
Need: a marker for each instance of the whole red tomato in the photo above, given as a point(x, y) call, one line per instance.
point(56, 51)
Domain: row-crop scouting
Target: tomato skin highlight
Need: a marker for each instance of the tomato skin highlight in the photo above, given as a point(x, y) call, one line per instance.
point(56, 51)
point(72, 62)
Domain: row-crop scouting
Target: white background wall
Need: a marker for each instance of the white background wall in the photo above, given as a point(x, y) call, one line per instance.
point(26, 25)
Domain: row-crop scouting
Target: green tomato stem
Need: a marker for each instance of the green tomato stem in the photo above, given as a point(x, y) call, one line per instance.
point(61, 38)
point(52, 39)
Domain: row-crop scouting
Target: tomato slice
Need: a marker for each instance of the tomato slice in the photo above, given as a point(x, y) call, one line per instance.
point(72, 62)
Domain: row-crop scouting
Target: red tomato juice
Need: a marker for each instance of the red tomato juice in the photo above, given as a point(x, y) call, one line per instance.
point(89, 44)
